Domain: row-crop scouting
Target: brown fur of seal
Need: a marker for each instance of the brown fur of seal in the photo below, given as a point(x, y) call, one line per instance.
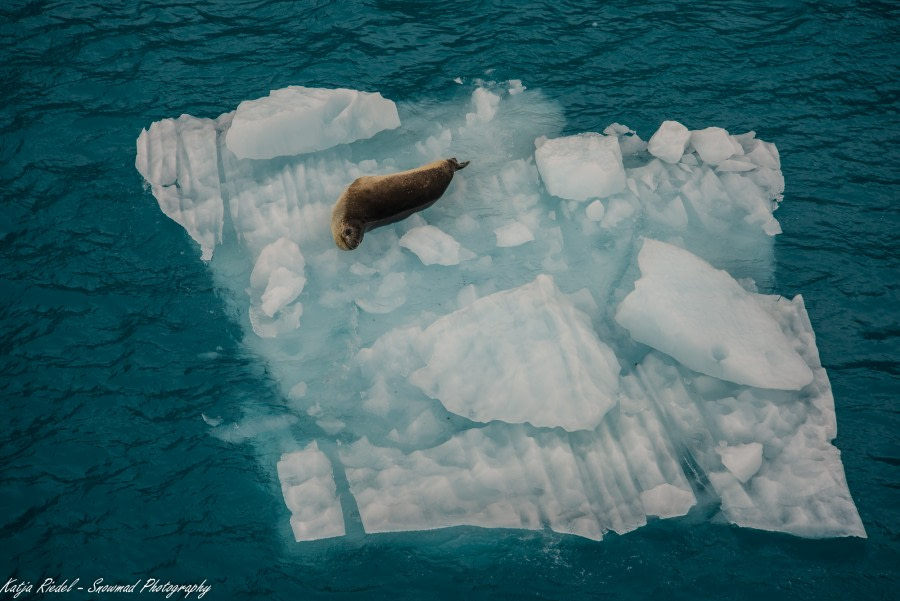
point(375, 200)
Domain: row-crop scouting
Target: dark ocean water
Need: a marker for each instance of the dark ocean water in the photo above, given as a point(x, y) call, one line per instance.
point(108, 319)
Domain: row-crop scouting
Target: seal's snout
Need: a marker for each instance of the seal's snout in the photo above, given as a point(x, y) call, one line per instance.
point(351, 237)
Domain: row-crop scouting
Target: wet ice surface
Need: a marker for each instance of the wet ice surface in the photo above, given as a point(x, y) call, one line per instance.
point(571, 338)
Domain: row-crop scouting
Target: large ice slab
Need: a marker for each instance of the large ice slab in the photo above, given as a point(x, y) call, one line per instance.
point(298, 119)
point(702, 317)
point(307, 483)
point(521, 356)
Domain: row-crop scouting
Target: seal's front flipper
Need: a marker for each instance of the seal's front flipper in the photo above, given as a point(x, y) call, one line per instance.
point(457, 165)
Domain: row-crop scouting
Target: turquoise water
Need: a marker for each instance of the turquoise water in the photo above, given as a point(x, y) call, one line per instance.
point(108, 318)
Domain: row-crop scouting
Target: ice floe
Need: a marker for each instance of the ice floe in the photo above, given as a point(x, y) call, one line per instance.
point(571, 339)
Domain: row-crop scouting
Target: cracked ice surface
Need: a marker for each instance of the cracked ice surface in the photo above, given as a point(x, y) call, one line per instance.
point(550, 345)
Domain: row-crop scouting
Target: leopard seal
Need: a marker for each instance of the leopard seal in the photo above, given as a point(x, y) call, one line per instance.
point(375, 200)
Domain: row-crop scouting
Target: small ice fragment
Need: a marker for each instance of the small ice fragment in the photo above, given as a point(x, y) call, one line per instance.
point(595, 211)
point(278, 276)
point(485, 104)
point(513, 234)
point(211, 421)
point(667, 501)
point(617, 129)
point(433, 246)
point(669, 141)
point(619, 210)
point(516, 87)
point(742, 460)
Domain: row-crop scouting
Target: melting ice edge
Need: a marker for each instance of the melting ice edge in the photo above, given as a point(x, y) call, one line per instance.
point(571, 338)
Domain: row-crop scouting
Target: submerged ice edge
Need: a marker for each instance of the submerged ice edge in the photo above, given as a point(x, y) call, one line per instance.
point(525, 300)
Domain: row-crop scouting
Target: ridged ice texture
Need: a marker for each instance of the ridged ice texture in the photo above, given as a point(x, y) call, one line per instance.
point(307, 483)
point(799, 486)
point(482, 378)
point(584, 483)
point(177, 158)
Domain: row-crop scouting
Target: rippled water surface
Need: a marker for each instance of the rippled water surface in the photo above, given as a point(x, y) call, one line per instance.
point(114, 341)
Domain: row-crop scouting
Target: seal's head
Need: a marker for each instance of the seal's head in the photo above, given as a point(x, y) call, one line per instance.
point(348, 234)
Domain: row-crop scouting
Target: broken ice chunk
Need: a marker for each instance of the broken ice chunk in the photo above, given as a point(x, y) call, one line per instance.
point(307, 483)
point(595, 211)
point(742, 460)
point(582, 166)
point(179, 159)
point(521, 355)
point(485, 104)
point(513, 234)
point(433, 246)
point(715, 145)
point(298, 119)
point(276, 281)
point(669, 141)
point(703, 318)
point(667, 501)
point(516, 87)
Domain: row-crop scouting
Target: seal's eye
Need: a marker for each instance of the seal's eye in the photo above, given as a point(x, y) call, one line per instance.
point(348, 231)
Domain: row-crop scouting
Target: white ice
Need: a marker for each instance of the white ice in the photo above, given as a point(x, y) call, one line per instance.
point(669, 141)
point(276, 281)
point(434, 246)
point(742, 460)
point(714, 145)
point(560, 342)
point(505, 476)
point(525, 355)
point(298, 119)
point(582, 166)
point(177, 158)
point(702, 317)
point(307, 483)
point(513, 234)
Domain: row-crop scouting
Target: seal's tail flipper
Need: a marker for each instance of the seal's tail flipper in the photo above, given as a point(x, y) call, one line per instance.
point(457, 165)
